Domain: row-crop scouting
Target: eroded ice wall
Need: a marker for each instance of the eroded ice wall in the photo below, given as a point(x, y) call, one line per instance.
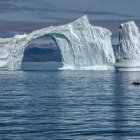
point(82, 45)
point(129, 41)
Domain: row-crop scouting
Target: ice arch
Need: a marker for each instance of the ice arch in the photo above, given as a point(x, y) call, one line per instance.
point(82, 45)
point(40, 50)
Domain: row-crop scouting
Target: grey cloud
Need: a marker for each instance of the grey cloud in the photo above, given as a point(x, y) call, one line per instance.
point(7, 6)
point(43, 7)
point(7, 27)
point(87, 12)
point(18, 5)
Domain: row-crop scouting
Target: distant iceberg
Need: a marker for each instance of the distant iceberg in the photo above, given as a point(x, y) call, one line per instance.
point(82, 45)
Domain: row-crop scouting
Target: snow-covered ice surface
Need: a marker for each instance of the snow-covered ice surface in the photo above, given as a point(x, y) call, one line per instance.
point(128, 50)
point(82, 45)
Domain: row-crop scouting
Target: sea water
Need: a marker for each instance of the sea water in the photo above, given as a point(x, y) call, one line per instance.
point(69, 105)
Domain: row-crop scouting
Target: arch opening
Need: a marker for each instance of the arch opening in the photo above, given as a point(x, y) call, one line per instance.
point(42, 53)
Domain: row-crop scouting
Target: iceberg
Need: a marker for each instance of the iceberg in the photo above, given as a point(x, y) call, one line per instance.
point(82, 46)
point(128, 49)
point(129, 41)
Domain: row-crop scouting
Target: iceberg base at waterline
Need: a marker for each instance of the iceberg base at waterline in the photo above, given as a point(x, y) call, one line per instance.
point(96, 67)
point(128, 65)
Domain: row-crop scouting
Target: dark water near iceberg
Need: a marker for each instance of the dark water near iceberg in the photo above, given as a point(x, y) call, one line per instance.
point(69, 105)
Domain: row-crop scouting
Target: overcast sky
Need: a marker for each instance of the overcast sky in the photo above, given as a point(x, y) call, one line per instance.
point(24, 16)
point(58, 10)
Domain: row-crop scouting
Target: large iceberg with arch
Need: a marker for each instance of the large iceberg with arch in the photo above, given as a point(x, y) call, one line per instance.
point(82, 45)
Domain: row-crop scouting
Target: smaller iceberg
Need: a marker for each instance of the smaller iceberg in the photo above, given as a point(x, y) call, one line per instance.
point(128, 50)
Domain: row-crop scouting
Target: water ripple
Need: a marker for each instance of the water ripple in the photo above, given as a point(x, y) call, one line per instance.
point(81, 105)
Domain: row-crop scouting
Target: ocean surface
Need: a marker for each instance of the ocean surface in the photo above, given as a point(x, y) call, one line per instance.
point(69, 105)
point(37, 66)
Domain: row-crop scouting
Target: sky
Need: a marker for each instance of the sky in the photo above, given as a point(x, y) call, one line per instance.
point(58, 10)
point(28, 15)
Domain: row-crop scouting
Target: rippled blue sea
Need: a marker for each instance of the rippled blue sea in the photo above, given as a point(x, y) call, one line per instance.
point(69, 105)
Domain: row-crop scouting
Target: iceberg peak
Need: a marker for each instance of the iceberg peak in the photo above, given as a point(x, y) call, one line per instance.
point(82, 19)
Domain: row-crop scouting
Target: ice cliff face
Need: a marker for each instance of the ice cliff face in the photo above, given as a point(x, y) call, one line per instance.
point(82, 45)
point(129, 41)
